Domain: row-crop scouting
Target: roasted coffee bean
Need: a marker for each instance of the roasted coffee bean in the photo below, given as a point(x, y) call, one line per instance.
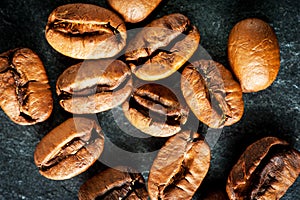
point(155, 110)
point(253, 53)
point(134, 11)
point(266, 170)
point(212, 93)
point(162, 47)
point(85, 31)
point(114, 184)
point(69, 149)
point(94, 86)
point(25, 94)
point(179, 168)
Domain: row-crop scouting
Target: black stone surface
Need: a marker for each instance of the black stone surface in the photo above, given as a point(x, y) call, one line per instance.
point(272, 112)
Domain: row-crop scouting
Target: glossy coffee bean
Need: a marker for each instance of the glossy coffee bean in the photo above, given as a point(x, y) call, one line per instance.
point(85, 31)
point(266, 170)
point(179, 168)
point(253, 53)
point(94, 86)
point(114, 184)
point(134, 11)
point(212, 94)
point(69, 149)
point(25, 94)
point(155, 110)
point(162, 47)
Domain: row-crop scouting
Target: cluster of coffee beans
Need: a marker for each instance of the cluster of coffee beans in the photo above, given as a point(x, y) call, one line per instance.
point(265, 170)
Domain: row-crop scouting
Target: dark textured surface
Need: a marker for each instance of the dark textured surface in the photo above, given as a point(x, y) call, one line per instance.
point(272, 112)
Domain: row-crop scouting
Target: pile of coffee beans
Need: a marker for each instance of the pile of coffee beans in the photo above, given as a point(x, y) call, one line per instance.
point(105, 80)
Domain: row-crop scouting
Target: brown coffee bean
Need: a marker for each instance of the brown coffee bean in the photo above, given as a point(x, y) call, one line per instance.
point(212, 93)
point(149, 55)
point(155, 110)
point(94, 86)
point(134, 11)
point(179, 168)
point(113, 184)
point(69, 149)
point(253, 53)
point(25, 94)
point(266, 170)
point(85, 31)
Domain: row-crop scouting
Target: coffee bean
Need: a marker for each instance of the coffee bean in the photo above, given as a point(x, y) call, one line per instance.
point(162, 47)
point(94, 86)
point(179, 168)
point(253, 53)
point(155, 110)
point(69, 149)
point(212, 93)
point(114, 184)
point(134, 11)
point(85, 31)
point(266, 170)
point(25, 94)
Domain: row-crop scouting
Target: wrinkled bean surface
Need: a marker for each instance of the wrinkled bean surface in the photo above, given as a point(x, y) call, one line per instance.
point(179, 168)
point(25, 94)
point(85, 31)
point(162, 47)
point(94, 86)
point(69, 149)
point(114, 184)
point(134, 11)
point(155, 110)
point(266, 170)
point(253, 54)
point(212, 93)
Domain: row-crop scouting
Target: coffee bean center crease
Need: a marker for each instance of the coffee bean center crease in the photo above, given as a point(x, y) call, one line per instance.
point(81, 28)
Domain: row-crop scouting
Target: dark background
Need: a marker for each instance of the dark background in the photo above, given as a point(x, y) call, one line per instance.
point(272, 112)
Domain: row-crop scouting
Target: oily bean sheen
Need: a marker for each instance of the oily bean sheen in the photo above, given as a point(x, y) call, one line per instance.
point(114, 184)
point(94, 86)
point(253, 53)
point(266, 170)
point(155, 110)
point(212, 94)
point(69, 149)
point(134, 11)
point(85, 31)
point(179, 168)
point(25, 94)
point(162, 47)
